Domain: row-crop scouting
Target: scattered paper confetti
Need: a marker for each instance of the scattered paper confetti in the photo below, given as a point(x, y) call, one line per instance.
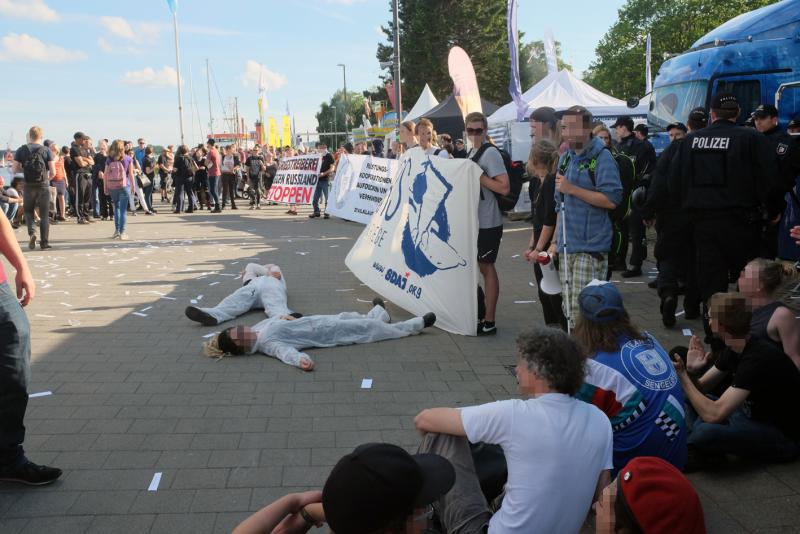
point(687, 332)
point(93, 296)
point(213, 283)
point(343, 290)
point(680, 313)
point(155, 482)
point(40, 394)
point(366, 383)
point(145, 309)
point(168, 298)
point(212, 334)
point(45, 316)
point(523, 301)
point(140, 314)
point(515, 256)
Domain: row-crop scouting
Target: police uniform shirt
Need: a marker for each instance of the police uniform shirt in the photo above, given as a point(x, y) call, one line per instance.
point(724, 167)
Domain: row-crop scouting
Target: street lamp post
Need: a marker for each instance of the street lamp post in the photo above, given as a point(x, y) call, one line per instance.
point(346, 115)
point(398, 96)
point(336, 128)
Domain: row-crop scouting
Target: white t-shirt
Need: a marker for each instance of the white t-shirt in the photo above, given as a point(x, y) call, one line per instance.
point(556, 447)
point(431, 151)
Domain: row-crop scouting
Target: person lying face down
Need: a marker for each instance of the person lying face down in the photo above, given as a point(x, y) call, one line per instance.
point(285, 336)
point(263, 287)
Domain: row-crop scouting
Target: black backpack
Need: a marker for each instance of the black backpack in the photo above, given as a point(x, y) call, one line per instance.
point(35, 167)
point(627, 177)
point(516, 177)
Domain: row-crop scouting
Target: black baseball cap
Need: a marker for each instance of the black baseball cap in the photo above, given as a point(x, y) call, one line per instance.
point(724, 101)
point(678, 125)
point(642, 128)
point(544, 114)
point(765, 110)
point(624, 121)
point(698, 115)
point(378, 483)
point(795, 122)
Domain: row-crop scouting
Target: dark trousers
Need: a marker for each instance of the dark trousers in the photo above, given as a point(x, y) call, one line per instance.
point(638, 239)
point(255, 190)
point(106, 206)
point(675, 252)
point(177, 194)
point(229, 189)
point(15, 355)
point(619, 246)
point(83, 196)
point(33, 197)
point(551, 304)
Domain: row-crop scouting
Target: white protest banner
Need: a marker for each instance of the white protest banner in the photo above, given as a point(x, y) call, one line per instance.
point(359, 187)
point(296, 180)
point(419, 249)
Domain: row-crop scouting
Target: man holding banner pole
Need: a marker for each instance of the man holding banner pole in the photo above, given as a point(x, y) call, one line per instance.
point(490, 219)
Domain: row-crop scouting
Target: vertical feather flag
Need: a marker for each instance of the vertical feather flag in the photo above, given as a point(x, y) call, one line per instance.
point(513, 46)
point(550, 52)
point(287, 131)
point(173, 5)
point(274, 138)
point(648, 72)
point(465, 84)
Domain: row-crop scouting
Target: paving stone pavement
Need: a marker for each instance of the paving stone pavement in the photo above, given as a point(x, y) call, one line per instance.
point(133, 395)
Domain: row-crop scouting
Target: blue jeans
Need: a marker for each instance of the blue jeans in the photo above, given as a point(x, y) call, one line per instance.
point(742, 436)
point(11, 210)
point(15, 357)
point(120, 198)
point(213, 190)
point(322, 190)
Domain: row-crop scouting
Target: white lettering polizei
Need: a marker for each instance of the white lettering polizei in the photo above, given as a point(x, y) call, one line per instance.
point(711, 143)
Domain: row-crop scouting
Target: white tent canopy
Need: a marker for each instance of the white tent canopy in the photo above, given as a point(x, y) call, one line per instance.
point(562, 90)
point(426, 102)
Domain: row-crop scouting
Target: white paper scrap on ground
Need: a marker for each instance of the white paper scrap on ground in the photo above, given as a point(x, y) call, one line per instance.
point(680, 313)
point(168, 298)
point(199, 297)
point(45, 316)
point(140, 314)
point(301, 253)
point(366, 383)
point(145, 309)
point(67, 304)
point(93, 296)
point(213, 283)
point(227, 274)
point(40, 394)
point(631, 282)
point(687, 332)
point(531, 284)
point(343, 290)
point(193, 301)
point(515, 256)
point(212, 334)
point(155, 482)
point(93, 285)
point(523, 301)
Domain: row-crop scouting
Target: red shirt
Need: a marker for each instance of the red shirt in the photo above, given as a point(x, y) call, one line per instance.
point(214, 163)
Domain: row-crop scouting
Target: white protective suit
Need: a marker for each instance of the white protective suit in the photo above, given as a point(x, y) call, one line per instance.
point(262, 291)
point(284, 339)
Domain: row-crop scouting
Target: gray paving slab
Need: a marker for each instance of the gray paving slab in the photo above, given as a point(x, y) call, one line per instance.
point(134, 395)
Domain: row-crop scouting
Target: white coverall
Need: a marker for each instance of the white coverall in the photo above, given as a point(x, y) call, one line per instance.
point(283, 339)
point(263, 291)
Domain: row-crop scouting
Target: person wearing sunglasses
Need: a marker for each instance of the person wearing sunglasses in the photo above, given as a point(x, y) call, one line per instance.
point(490, 219)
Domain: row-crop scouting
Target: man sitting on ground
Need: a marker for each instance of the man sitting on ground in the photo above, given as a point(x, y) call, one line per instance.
point(558, 449)
point(263, 287)
point(754, 417)
point(283, 337)
point(378, 489)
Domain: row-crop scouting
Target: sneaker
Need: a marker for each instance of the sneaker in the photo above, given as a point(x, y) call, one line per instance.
point(668, 305)
point(429, 319)
point(252, 207)
point(83, 221)
point(632, 272)
point(216, 210)
point(326, 216)
point(32, 243)
point(313, 215)
point(486, 328)
point(45, 246)
point(115, 236)
point(123, 236)
point(199, 316)
point(30, 473)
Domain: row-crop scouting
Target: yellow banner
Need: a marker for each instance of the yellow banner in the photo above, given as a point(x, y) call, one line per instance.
point(262, 137)
point(287, 131)
point(274, 140)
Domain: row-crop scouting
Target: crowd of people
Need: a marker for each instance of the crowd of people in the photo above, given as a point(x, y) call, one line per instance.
point(603, 404)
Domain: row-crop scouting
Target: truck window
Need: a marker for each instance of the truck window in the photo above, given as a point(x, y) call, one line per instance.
point(747, 92)
point(672, 103)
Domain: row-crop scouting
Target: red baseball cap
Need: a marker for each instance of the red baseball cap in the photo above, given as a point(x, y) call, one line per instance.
point(660, 497)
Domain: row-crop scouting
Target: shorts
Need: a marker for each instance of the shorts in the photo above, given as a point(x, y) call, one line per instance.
point(60, 185)
point(489, 243)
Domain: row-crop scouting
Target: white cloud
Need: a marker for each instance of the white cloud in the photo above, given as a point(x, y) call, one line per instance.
point(28, 9)
point(252, 73)
point(140, 32)
point(107, 47)
point(149, 77)
point(16, 47)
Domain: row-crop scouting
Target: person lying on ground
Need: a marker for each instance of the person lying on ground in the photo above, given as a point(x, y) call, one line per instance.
point(263, 287)
point(285, 336)
point(630, 378)
point(649, 496)
point(377, 489)
point(755, 417)
point(558, 449)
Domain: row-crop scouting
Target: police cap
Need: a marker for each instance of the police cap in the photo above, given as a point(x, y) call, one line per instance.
point(698, 115)
point(678, 125)
point(725, 101)
point(765, 110)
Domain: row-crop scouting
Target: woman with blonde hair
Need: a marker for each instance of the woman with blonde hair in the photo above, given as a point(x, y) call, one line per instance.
point(602, 132)
point(425, 135)
point(542, 162)
point(118, 183)
point(408, 138)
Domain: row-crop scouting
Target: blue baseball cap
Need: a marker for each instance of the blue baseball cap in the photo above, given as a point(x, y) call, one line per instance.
point(601, 302)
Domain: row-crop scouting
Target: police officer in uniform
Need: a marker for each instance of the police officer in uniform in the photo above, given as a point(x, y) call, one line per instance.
point(765, 119)
point(725, 174)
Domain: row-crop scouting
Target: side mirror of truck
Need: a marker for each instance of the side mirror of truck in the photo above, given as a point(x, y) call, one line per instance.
point(633, 102)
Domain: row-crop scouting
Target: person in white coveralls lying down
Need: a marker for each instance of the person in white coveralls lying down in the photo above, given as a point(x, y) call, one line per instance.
point(263, 287)
point(285, 336)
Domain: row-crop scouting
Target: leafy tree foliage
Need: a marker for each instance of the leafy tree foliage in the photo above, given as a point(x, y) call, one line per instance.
point(331, 116)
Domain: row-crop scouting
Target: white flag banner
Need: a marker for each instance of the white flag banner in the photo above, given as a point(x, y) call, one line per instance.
point(551, 59)
point(648, 74)
point(419, 250)
point(360, 185)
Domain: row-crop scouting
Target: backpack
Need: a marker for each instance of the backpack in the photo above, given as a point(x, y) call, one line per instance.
point(115, 176)
point(627, 177)
point(516, 177)
point(255, 166)
point(35, 166)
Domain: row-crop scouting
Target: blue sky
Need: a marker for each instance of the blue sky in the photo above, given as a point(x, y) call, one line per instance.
point(107, 68)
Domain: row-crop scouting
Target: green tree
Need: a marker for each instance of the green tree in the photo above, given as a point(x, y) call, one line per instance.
point(674, 26)
point(430, 28)
point(331, 116)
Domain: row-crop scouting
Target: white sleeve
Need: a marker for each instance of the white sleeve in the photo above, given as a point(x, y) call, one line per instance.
point(490, 423)
point(285, 353)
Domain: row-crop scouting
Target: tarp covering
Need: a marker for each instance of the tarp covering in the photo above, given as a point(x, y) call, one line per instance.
point(426, 102)
point(446, 117)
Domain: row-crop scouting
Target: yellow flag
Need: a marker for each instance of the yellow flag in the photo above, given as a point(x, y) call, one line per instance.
point(274, 141)
point(287, 131)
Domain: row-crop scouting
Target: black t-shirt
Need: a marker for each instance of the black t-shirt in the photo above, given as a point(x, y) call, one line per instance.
point(543, 204)
point(254, 165)
point(99, 164)
point(23, 153)
point(772, 380)
point(76, 151)
point(149, 162)
point(327, 163)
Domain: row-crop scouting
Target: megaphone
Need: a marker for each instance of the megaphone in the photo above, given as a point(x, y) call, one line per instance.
point(551, 282)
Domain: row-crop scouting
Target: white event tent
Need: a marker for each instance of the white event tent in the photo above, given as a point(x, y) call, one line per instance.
point(562, 90)
point(426, 102)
